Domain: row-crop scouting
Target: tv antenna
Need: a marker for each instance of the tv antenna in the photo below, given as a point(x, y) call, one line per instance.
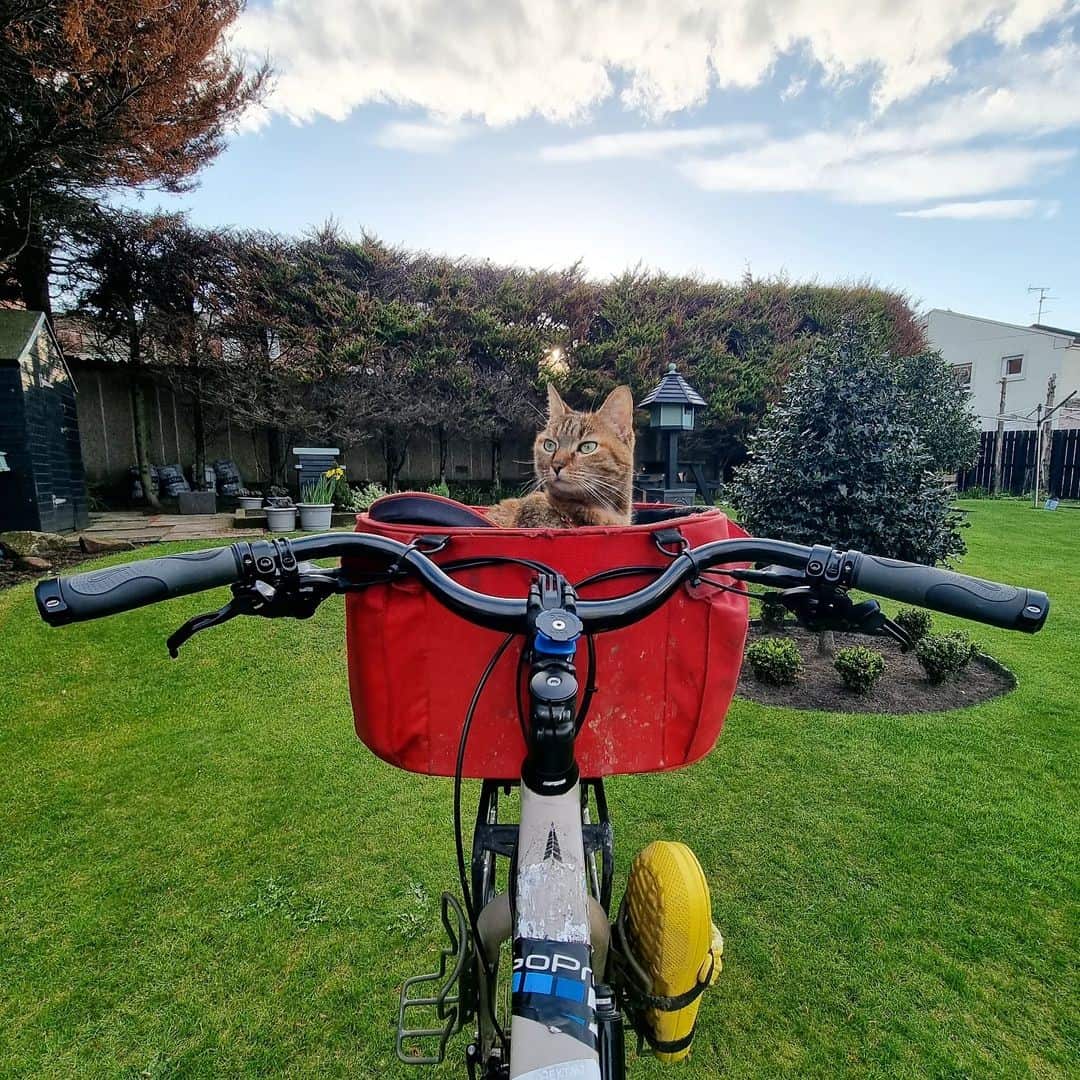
point(1043, 291)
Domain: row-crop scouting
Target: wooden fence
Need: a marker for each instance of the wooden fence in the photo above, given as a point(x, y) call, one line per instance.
point(1018, 464)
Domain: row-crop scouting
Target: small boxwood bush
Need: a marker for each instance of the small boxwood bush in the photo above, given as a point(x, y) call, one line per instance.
point(969, 647)
point(943, 655)
point(772, 611)
point(915, 622)
point(775, 661)
point(859, 667)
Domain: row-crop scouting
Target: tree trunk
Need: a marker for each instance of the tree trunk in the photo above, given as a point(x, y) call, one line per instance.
point(32, 266)
point(198, 424)
point(142, 441)
point(255, 455)
point(395, 449)
point(275, 443)
point(826, 643)
point(444, 448)
point(138, 414)
point(496, 467)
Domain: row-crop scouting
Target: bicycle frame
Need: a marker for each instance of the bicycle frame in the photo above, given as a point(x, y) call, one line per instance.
point(557, 923)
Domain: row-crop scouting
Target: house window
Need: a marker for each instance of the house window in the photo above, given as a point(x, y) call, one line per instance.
point(962, 374)
point(1012, 367)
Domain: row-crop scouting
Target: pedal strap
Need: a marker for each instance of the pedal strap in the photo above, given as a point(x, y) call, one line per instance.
point(638, 997)
point(679, 1001)
point(672, 1046)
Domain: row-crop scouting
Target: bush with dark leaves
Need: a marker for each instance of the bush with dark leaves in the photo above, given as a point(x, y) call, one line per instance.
point(772, 611)
point(915, 622)
point(944, 655)
point(841, 459)
point(775, 661)
point(859, 667)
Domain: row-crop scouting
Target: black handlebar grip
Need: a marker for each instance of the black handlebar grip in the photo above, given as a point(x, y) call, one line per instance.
point(987, 602)
point(131, 585)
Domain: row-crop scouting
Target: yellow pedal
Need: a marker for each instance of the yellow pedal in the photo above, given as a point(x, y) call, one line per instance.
point(669, 912)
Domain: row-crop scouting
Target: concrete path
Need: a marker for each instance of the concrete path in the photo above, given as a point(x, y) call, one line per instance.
point(150, 529)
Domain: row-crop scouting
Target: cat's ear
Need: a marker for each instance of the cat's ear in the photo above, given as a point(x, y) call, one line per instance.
point(556, 406)
point(618, 411)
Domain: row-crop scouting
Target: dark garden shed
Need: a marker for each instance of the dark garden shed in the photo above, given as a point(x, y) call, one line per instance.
point(42, 485)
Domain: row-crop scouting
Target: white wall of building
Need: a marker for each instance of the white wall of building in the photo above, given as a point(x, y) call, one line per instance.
point(987, 346)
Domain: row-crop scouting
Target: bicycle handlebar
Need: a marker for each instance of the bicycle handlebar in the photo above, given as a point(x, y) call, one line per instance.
point(135, 584)
point(955, 594)
point(121, 588)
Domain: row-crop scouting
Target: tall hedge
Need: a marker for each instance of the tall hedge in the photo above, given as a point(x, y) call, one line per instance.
point(353, 339)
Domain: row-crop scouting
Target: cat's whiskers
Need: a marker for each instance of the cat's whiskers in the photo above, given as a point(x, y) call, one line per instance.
point(600, 481)
point(600, 485)
point(596, 493)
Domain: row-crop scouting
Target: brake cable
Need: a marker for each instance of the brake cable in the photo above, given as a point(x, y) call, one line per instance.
point(459, 842)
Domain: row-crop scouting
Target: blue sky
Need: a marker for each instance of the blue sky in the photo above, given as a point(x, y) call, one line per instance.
point(931, 147)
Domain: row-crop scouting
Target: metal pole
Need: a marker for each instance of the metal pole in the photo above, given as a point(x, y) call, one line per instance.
point(999, 441)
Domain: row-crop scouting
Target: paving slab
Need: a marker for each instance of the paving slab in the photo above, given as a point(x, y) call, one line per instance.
point(151, 528)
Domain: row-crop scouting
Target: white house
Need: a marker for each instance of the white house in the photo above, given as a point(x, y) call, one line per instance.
point(984, 351)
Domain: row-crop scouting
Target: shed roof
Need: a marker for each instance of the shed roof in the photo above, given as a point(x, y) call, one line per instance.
point(672, 389)
point(17, 330)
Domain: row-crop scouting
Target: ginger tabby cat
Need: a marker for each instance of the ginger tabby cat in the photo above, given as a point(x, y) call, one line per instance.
point(584, 468)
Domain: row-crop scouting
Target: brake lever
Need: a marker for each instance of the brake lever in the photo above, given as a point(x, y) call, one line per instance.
point(820, 609)
point(897, 633)
point(244, 602)
point(297, 597)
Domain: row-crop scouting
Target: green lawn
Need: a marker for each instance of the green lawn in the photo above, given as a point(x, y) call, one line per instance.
point(203, 873)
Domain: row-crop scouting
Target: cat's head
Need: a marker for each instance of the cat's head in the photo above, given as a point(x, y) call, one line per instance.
point(587, 456)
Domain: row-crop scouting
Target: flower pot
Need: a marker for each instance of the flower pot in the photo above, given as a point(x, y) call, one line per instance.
point(281, 518)
point(315, 516)
point(249, 502)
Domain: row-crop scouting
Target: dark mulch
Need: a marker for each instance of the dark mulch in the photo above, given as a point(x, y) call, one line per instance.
point(902, 689)
point(12, 574)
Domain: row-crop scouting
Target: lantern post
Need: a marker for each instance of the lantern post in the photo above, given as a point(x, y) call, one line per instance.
point(672, 405)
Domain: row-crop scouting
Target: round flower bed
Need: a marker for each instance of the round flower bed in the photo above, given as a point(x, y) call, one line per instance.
point(903, 687)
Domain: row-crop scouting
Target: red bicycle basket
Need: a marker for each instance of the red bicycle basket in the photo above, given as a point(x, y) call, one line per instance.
point(663, 684)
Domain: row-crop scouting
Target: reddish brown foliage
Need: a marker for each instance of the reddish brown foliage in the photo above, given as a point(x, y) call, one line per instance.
point(98, 92)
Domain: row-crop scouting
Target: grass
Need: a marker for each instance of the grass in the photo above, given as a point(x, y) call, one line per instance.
point(203, 873)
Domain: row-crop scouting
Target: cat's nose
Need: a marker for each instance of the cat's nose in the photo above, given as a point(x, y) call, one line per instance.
point(556, 469)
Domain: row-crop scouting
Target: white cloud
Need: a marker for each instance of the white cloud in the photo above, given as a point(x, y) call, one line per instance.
point(843, 169)
point(427, 138)
point(993, 209)
point(971, 143)
point(793, 89)
point(640, 144)
point(503, 60)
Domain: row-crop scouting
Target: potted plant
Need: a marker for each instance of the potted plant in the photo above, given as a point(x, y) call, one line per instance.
point(249, 500)
point(317, 512)
point(280, 513)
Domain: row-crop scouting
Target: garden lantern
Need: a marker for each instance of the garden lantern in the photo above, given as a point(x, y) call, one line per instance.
point(672, 406)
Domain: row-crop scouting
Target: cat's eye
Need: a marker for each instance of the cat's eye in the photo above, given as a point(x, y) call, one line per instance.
point(587, 447)
point(550, 446)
